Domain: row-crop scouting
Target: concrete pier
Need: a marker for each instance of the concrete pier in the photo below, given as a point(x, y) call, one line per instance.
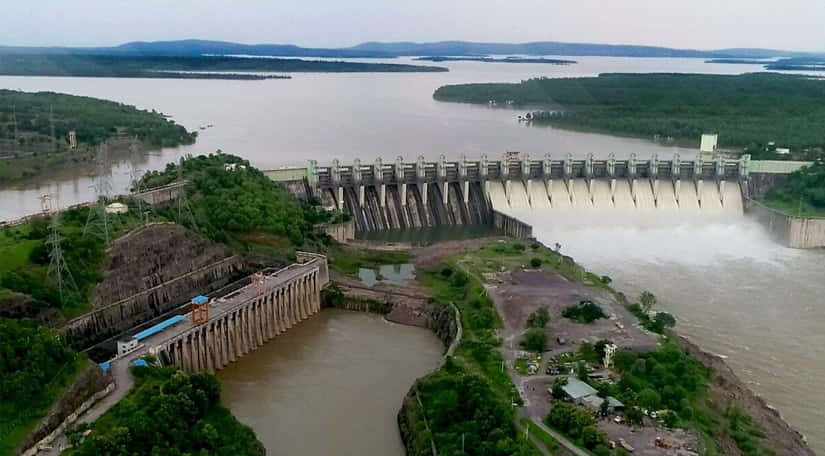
point(244, 319)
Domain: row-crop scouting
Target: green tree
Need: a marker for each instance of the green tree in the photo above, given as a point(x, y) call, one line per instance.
point(535, 340)
point(647, 300)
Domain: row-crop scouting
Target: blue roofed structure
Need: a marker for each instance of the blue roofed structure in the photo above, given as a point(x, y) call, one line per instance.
point(140, 363)
point(199, 299)
point(159, 327)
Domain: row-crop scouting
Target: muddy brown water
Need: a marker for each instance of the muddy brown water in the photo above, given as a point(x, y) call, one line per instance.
point(333, 384)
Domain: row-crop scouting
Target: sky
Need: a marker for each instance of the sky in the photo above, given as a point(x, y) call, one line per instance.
point(695, 24)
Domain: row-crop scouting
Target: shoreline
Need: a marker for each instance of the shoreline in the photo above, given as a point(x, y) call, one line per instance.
point(724, 386)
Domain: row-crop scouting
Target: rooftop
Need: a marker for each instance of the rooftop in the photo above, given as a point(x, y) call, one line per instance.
point(577, 389)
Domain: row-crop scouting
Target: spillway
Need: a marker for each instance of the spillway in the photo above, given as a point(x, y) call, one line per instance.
point(580, 195)
point(559, 195)
point(710, 199)
point(539, 198)
point(517, 195)
point(600, 189)
point(622, 198)
point(643, 195)
point(470, 203)
point(666, 196)
point(497, 197)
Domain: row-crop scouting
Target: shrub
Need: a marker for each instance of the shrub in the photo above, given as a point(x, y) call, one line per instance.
point(584, 312)
point(446, 272)
point(535, 263)
point(535, 246)
point(518, 247)
point(539, 318)
point(535, 340)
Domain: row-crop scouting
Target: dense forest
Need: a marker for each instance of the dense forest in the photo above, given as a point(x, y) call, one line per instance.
point(803, 194)
point(34, 364)
point(34, 130)
point(169, 413)
point(138, 66)
point(746, 110)
point(228, 204)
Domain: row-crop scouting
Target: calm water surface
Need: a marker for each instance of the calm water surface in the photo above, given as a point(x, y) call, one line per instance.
point(333, 384)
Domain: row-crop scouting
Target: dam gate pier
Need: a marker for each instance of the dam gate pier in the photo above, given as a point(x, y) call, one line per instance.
point(232, 325)
point(425, 193)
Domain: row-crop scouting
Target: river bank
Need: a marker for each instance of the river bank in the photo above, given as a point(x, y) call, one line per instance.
point(725, 388)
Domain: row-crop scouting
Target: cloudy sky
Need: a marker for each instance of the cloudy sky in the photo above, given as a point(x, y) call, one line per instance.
point(700, 24)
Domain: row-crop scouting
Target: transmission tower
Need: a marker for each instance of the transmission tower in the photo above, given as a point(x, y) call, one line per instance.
point(135, 174)
point(58, 272)
point(98, 221)
point(184, 210)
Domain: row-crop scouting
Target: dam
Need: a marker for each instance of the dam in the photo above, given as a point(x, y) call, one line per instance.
point(226, 328)
point(381, 196)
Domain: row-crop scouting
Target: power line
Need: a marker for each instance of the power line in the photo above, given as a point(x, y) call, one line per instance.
point(58, 271)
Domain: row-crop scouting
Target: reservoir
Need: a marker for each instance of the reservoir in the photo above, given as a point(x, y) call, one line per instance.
point(332, 384)
point(734, 291)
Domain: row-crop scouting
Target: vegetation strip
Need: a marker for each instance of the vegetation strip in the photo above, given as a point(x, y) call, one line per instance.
point(750, 110)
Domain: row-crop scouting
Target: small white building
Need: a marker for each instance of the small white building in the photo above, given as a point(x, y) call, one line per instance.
point(125, 346)
point(782, 150)
point(708, 143)
point(117, 208)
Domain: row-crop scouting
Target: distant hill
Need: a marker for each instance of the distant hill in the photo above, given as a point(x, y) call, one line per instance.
point(185, 48)
point(560, 48)
point(193, 47)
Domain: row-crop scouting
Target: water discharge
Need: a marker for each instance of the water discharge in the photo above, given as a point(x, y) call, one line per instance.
point(617, 196)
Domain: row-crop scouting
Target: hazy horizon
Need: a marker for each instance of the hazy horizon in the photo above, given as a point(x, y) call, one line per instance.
point(700, 24)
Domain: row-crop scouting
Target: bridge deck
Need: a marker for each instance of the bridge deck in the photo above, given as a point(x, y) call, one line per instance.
point(221, 306)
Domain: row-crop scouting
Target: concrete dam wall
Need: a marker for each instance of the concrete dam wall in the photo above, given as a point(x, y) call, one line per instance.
point(414, 205)
point(686, 197)
point(408, 195)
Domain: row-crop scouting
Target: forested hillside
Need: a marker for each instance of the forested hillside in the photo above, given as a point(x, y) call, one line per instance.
point(34, 130)
point(751, 109)
point(803, 194)
point(34, 365)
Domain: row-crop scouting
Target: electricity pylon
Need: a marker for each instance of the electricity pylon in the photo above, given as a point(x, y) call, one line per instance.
point(98, 221)
point(58, 271)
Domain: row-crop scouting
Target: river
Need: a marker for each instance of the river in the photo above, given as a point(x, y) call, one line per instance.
point(324, 116)
point(331, 385)
point(735, 291)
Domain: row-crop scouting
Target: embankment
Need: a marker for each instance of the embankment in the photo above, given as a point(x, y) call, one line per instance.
point(147, 273)
point(727, 390)
point(794, 232)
